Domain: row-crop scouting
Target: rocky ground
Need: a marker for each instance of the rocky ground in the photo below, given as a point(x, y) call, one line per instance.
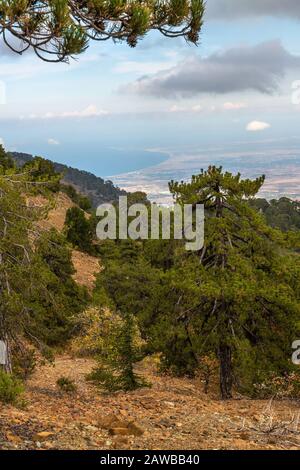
point(173, 414)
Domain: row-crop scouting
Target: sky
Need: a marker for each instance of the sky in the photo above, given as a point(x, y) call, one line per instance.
point(165, 109)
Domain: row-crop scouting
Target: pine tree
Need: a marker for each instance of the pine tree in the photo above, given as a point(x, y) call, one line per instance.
point(16, 273)
point(237, 295)
point(38, 295)
point(6, 162)
point(116, 369)
point(56, 299)
point(78, 229)
point(59, 29)
point(42, 173)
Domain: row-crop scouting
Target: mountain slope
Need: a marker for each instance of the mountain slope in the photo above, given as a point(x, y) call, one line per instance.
point(96, 188)
point(86, 266)
point(173, 414)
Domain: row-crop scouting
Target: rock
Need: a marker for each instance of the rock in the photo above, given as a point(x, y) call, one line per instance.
point(110, 421)
point(128, 429)
point(169, 403)
point(135, 430)
point(120, 442)
point(244, 436)
point(47, 445)
point(166, 423)
point(13, 438)
point(121, 428)
point(91, 428)
point(119, 431)
point(42, 436)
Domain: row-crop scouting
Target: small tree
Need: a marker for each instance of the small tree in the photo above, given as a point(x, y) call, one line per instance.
point(78, 229)
point(6, 162)
point(42, 173)
point(116, 369)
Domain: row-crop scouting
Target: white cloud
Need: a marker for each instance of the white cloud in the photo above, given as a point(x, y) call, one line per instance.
point(256, 126)
point(197, 108)
point(2, 142)
point(177, 109)
point(186, 109)
point(53, 142)
point(229, 106)
point(90, 111)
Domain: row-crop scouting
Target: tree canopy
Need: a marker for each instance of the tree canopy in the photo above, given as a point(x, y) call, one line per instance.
point(239, 294)
point(59, 29)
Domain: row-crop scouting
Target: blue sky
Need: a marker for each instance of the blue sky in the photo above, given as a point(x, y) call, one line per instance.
point(118, 109)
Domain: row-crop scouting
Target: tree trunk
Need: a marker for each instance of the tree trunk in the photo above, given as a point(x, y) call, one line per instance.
point(226, 376)
point(8, 366)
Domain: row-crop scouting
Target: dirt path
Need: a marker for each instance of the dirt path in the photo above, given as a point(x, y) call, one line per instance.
point(173, 414)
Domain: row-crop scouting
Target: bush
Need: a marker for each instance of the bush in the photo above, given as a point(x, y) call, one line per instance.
point(57, 299)
point(116, 368)
point(10, 388)
point(24, 362)
point(42, 170)
point(286, 386)
point(78, 230)
point(66, 384)
point(93, 326)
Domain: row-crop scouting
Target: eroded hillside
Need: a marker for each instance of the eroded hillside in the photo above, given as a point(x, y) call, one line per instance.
point(86, 266)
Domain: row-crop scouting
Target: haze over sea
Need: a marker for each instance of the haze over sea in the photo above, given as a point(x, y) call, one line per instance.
point(280, 164)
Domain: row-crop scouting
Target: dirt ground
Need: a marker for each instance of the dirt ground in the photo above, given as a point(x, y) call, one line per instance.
point(172, 414)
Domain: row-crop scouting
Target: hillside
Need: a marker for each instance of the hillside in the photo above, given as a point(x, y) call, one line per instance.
point(96, 188)
point(173, 414)
point(182, 407)
point(86, 266)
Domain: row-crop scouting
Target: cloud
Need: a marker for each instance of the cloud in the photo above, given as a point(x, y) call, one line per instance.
point(90, 111)
point(232, 9)
point(256, 126)
point(53, 142)
point(242, 68)
point(229, 106)
point(142, 67)
point(186, 109)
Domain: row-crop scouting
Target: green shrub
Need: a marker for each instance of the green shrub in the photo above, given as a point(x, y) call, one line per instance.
point(10, 388)
point(66, 384)
point(115, 370)
point(24, 362)
point(78, 230)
